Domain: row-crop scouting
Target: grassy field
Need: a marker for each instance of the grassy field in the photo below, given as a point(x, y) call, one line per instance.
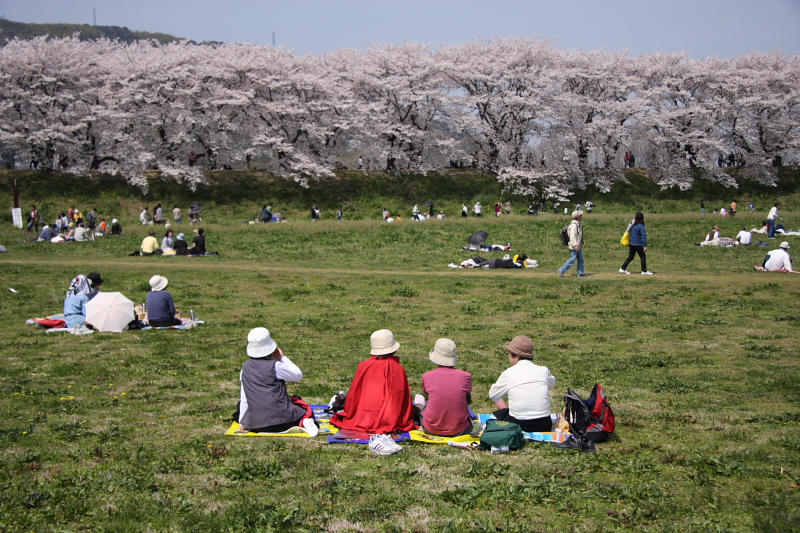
point(124, 432)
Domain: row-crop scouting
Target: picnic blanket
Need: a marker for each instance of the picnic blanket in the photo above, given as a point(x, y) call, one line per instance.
point(52, 321)
point(349, 436)
point(762, 269)
point(323, 418)
point(186, 323)
point(56, 323)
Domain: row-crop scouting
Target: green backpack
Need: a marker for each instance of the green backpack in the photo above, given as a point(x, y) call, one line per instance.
point(499, 433)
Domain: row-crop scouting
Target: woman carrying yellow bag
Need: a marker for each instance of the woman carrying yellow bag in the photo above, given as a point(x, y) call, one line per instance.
point(637, 244)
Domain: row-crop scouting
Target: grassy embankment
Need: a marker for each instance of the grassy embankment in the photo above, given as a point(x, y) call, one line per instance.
point(123, 432)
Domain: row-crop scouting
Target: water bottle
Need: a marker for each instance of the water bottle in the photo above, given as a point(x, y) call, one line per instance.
point(191, 314)
point(498, 449)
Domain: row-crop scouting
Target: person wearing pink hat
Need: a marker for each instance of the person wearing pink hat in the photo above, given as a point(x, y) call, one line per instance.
point(379, 399)
point(264, 405)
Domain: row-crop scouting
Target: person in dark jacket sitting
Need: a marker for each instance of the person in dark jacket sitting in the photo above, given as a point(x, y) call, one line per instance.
point(161, 312)
point(181, 248)
point(198, 243)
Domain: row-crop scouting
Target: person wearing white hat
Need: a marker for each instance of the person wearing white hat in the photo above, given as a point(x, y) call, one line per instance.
point(116, 227)
point(161, 312)
point(264, 405)
point(779, 260)
point(379, 399)
point(449, 393)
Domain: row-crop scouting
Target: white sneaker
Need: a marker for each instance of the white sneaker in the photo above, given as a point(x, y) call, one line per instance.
point(623, 271)
point(648, 273)
point(383, 445)
point(310, 427)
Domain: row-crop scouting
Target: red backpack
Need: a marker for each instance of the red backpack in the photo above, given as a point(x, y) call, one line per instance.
point(592, 418)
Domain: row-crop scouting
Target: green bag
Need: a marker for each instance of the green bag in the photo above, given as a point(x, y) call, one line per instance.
point(499, 433)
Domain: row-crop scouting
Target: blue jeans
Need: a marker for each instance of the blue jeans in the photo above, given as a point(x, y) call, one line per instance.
point(574, 255)
point(771, 228)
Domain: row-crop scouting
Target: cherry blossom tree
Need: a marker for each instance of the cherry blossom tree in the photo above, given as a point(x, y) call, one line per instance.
point(547, 121)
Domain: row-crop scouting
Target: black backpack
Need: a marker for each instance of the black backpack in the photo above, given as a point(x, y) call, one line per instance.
point(564, 234)
point(592, 418)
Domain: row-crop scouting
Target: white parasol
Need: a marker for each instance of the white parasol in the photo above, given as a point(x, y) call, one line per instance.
point(109, 311)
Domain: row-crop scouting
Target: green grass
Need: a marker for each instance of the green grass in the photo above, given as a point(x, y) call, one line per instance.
point(124, 432)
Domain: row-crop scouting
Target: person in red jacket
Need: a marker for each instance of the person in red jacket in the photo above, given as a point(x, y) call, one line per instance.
point(379, 400)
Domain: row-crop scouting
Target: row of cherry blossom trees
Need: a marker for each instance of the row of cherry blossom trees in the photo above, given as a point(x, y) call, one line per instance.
point(545, 120)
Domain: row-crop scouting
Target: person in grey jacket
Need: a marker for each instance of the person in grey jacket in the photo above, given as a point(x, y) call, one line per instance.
point(264, 404)
point(638, 245)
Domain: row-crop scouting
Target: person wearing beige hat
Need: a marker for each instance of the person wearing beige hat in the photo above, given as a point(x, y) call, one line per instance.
point(527, 387)
point(779, 260)
point(448, 389)
point(379, 399)
point(161, 312)
point(575, 232)
point(264, 405)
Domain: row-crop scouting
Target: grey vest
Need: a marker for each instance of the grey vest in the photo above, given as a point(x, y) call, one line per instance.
point(268, 404)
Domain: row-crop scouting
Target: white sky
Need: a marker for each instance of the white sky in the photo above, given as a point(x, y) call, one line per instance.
point(703, 28)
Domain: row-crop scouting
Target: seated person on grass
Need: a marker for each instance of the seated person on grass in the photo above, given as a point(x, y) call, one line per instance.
point(116, 228)
point(150, 244)
point(80, 234)
point(779, 260)
point(448, 390)
point(527, 387)
point(744, 236)
point(161, 312)
point(47, 234)
point(181, 248)
point(198, 246)
point(81, 290)
point(264, 405)
point(379, 399)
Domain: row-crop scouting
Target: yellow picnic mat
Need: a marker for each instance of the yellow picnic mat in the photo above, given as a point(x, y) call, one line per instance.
point(236, 431)
point(421, 436)
point(323, 418)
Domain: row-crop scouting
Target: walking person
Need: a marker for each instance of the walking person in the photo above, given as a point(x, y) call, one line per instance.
point(575, 232)
point(638, 245)
point(33, 220)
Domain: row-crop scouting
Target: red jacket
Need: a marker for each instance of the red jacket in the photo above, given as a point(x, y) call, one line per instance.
point(379, 400)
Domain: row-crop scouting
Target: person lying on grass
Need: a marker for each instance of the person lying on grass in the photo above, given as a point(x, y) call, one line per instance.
point(449, 394)
point(264, 405)
point(518, 261)
point(379, 400)
point(527, 387)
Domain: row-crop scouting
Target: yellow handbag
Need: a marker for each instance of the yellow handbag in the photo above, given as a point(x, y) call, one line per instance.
point(626, 237)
